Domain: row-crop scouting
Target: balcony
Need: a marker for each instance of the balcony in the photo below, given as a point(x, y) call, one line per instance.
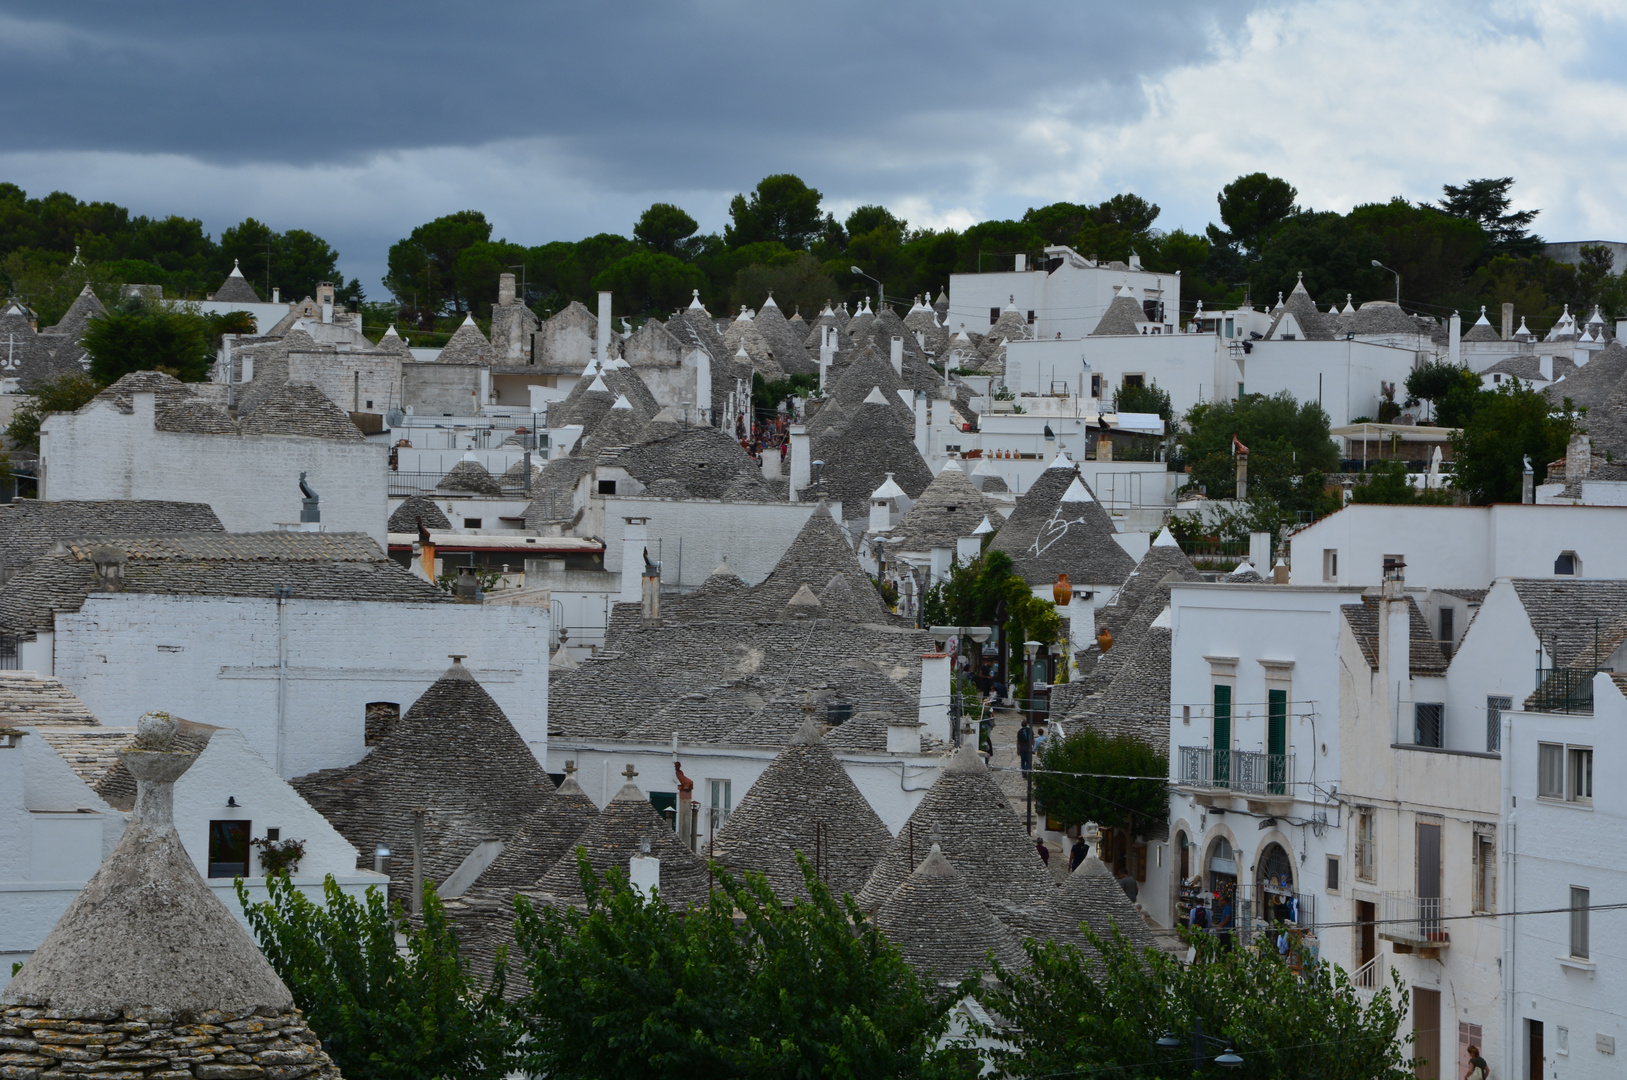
point(1563, 690)
point(1413, 922)
point(1257, 776)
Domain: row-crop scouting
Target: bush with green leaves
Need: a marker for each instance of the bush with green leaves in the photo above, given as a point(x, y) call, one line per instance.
point(142, 336)
point(1386, 482)
point(58, 393)
point(383, 1011)
point(1080, 779)
point(1509, 425)
point(1075, 1015)
point(746, 985)
point(1149, 398)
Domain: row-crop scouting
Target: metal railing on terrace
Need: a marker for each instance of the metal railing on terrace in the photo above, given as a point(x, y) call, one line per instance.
point(1246, 772)
point(1564, 690)
point(1413, 920)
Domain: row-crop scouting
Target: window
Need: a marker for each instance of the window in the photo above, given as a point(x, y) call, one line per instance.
point(1333, 873)
point(1446, 620)
point(722, 802)
point(1030, 318)
point(1579, 928)
point(1567, 564)
point(1485, 870)
point(369, 403)
point(994, 315)
point(1095, 386)
point(1366, 845)
point(1330, 564)
point(1427, 723)
point(1495, 708)
point(1135, 380)
point(1579, 774)
point(1276, 745)
point(1550, 771)
point(1229, 326)
point(228, 849)
point(1186, 714)
point(607, 487)
point(471, 523)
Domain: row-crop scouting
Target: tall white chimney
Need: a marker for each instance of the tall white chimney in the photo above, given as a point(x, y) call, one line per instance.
point(801, 460)
point(604, 328)
point(933, 711)
point(633, 539)
point(505, 290)
point(898, 356)
point(920, 408)
point(1395, 644)
point(827, 353)
point(1022, 262)
point(1454, 340)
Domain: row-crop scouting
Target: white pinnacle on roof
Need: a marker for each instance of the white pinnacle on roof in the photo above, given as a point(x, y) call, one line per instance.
point(875, 397)
point(889, 489)
point(1482, 321)
point(985, 467)
point(468, 320)
point(1011, 303)
point(983, 527)
point(1062, 461)
point(1165, 538)
point(866, 309)
point(1333, 308)
point(1595, 317)
point(1522, 331)
point(827, 310)
point(742, 354)
point(597, 385)
point(769, 303)
point(1077, 493)
point(1165, 620)
point(391, 332)
point(695, 304)
point(951, 466)
point(1349, 308)
point(235, 271)
point(1244, 567)
point(469, 455)
point(593, 366)
point(621, 402)
point(745, 314)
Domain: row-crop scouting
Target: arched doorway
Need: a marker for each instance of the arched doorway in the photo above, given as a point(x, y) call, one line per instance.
point(1274, 884)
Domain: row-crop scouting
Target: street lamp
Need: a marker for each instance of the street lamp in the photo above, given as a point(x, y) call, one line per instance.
point(1031, 648)
point(881, 292)
point(1227, 1059)
point(1397, 274)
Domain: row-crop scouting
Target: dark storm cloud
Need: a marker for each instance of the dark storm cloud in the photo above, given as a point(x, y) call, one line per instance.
point(637, 95)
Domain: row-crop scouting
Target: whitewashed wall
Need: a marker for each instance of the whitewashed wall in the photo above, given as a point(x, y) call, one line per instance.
point(753, 535)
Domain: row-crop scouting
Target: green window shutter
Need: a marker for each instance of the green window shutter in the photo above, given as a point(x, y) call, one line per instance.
point(1223, 736)
point(1276, 745)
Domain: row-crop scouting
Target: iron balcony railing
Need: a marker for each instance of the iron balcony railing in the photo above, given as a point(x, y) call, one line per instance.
point(1564, 690)
point(1246, 772)
point(1413, 920)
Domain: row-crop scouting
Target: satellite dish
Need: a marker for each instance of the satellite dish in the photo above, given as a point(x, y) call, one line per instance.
point(395, 417)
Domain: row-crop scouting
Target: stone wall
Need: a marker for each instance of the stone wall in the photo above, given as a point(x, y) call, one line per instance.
point(141, 1044)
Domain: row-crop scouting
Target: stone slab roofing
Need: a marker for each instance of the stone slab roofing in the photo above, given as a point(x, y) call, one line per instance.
point(175, 406)
point(31, 700)
point(1163, 563)
point(455, 755)
point(469, 476)
point(628, 826)
point(236, 289)
point(942, 927)
point(1092, 897)
point(1425, 652)
point(703, 463)
point(415, 509)
point(467, 345)
point(947, 510)
point(300, 409)
point(803, 802)
point(871, 441)
point(982, 836)
point(1047, 535)
point(1566, 616)
point(317, 566)
point(30, 527)
point(1122, 318)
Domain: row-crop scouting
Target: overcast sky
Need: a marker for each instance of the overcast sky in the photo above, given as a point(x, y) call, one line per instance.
point(360, 120)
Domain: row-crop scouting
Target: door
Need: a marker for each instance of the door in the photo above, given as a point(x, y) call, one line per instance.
point(1276, 745)
point(1368, 944)
point(1429, 880)
point(1533, 1041)
point(1426, 1033)
point(1223, 737)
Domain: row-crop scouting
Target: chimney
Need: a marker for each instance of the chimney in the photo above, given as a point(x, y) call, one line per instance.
point(898, 356)
point(968, 548)
point(903, 736)
point(1135, 261)
point(505, 290)
point(644, 872)
point(827, 353)
point(324, 297)
point(1395, 639)
point(109, 562)
point(1545, 367)
point(309, 511)
point(1259, 549)
point(933, 710)
point(1578, 459)
point(1022, 262)
point(649, 595)
point(276, 296)
point(941, 559)
point(1279, 573)
point(1454, 340)
point(1528, 484)
point(632, 559)
point(920, 421)
point(468, 587)
point(1241, 453)
point(604, 328)
point(771, 463)
point(1508, 321)
point(801, 470)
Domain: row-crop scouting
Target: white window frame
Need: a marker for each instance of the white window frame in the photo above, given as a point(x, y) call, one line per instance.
point(1579, 774)
point(1581, 903)
point(1551, 771)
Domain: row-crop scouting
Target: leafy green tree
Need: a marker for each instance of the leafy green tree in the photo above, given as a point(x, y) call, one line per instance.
point(1487, 202)
point(980, 592)
point(480, 265)
point(1149, 398)
point(1287, 440)
point(423, 266)
point(1073, 1015)
point(648, 283)
point(1252, 207)
point(989, 245)
point(1386, 482)
point(1453, 389)
point(631, 988)
point(1507, 426)
point(59, 393)
point(1597, 285)
point(663, 228)
point(1335, 256)
point(782, 208)
point(294, 262)
point(1080, 780)
point(384, 1012)
point(797, 279)
point(141, 336)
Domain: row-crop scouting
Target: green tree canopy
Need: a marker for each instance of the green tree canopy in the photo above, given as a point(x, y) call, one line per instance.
point(142, 336)
point(663, 228)
point(1386, 482)
point(1508, 426)
point(1073, 1015)
point(383, 1011)
point(782, 208)
point(628, 987)
point(1252, 207)
point(797, 280)
point(1080, 779)
point(1453, 389)
point(1288, 443)
point(650, 283)
point(423, 267)
point(1486, 202)
point(1148, 398)
point(295, 262)
point(59, 393)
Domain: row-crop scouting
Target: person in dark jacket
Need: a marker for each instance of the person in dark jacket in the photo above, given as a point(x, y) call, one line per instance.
point(1077, 855)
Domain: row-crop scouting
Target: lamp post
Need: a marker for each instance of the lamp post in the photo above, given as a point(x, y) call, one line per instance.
point(1226, 1059)
point(1031, 648)
point(881, 291)
point(1397, 274)
point(979, 634)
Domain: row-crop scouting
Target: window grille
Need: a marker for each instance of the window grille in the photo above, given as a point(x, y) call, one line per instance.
point(1427, 722)
point(1495, 708)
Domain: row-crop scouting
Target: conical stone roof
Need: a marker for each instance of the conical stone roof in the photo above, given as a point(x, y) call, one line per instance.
point(947, 510)
point(818, 556)
point(84, 308)
point(941, 926)
point(1057, 526)
point(1482, 330)
point(1122, 317)
point(982, 835)
point(1163, 563)
point(1313, 324)
point(1093, 897)
point(872, 441)
point(416, 508)
point(628, 826)
point(804, 801)
point(236, 289)
point(469, 475)
point(467, 345)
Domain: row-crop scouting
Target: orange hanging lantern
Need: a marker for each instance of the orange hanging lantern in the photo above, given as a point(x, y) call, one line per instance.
point(1104, 640)
point(1062, 591)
